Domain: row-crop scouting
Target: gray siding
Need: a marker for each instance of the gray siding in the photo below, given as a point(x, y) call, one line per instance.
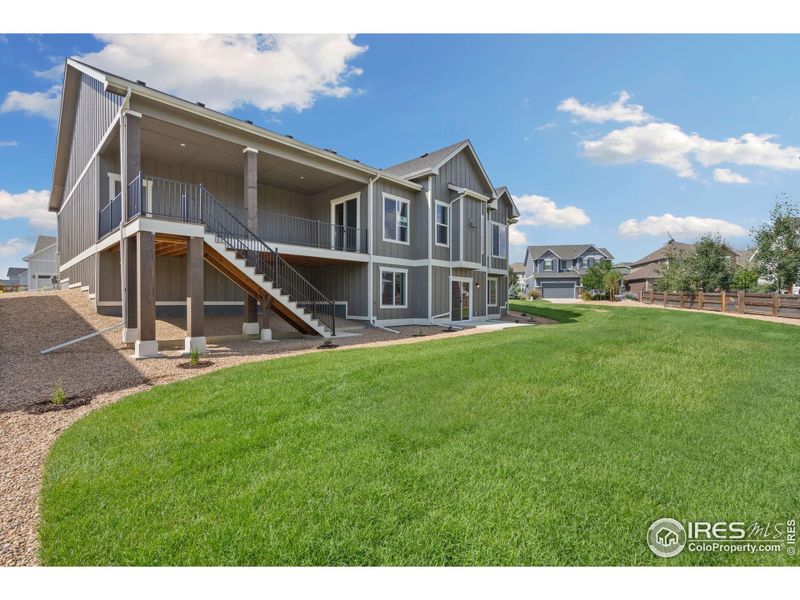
point(417, 210)
point(417, 305)
point(77, 222)
point(82, 272)
point(473, 212)
point(441, 290)
point(342, 283)
point(95, 111)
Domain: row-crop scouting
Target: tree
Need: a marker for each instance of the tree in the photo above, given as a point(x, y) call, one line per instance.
point(611, 282)
point(675, 275)
point(778, 245)
point(745, 278)
point(595, 276)
point(710, 265)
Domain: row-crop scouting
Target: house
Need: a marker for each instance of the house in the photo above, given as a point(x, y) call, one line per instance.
point(166, 205)
point(17, 277)
point(517, 269)
point(42, 263)
point(556, 270)
point(645, 271)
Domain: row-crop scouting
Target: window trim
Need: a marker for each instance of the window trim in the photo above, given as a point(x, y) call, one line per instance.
point(489, 281)
point(384, 198)
point(436, 223)
point(544, 265)
point(393, 270)
point(341, 200)
point(499, 225)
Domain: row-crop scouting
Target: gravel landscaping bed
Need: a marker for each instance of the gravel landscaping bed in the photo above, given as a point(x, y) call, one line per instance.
point(102, 370)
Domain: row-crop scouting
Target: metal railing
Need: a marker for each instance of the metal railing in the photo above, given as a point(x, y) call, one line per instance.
point(193, 203)
point(109, 216)
point(289, 229)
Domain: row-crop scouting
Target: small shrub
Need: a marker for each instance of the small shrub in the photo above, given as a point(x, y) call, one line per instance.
point(586, 296)
point(194, 357)
point(59, 397)
point(534, 294)
point(631, 296)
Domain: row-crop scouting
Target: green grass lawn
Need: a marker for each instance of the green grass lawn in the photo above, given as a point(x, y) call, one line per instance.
point(546, 445)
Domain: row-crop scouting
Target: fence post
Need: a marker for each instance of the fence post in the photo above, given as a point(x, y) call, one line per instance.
point(666, 298)
point(723, 302)
point(651, 295)
point(740, 301)
point(700, 299)
point(775, 301)
point(681, 300)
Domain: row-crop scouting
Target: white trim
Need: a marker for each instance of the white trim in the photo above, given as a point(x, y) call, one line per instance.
point(471, 291)
point(468, 192)
point(178, 303)
point(384, 197)
point(249, 149)
point(496, 281)
point(438, 203)
point(429, 200)
point(381, 271)
point(499, 225)
point(94, 155)
point(341, 200)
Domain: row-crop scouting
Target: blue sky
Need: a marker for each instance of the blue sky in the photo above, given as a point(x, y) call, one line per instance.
point(687, 137)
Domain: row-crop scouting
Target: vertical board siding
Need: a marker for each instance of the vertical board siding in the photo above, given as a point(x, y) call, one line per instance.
point(474, 211)
point(82, 273)
point(342, 283)
point(95, 112)
point(440, 297)
point(417, 294)
point(417, 209)
point(77, 222)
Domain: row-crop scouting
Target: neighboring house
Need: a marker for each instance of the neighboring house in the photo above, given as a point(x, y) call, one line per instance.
point(220, 214)
point(17, 277)
point(518, 271)
point(645, 271)
point(42, 263)
point(556, 270)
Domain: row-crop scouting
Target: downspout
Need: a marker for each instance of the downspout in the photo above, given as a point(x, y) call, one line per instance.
point(370, 249)
point(123, 170)
point(460, 242)
point(431, 219)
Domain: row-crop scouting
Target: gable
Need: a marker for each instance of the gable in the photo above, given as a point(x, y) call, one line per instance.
point(464, 170)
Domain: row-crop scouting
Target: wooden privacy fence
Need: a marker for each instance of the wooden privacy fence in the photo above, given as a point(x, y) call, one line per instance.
point(775, 305)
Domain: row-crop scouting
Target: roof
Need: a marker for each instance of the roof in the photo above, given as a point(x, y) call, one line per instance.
point(660, 255)
point(565, 251)
point(559, 275)
point(517, 267)
point(503, 191)
point(121, 85)
point(429, 161)
point(649, 271)
point(44, 241)
point(16, 271)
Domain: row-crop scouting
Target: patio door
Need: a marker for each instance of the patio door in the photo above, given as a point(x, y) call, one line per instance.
point(460, 299)
point(345, 222)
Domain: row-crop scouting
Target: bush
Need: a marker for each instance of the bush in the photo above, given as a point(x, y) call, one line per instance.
point(534, 295)
point(631, 296)
point(585, 295)
point(194, 357)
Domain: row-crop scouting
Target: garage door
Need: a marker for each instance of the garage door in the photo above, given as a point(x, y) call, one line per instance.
point(558, 290)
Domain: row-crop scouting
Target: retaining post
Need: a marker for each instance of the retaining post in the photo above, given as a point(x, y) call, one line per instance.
point(775, 304)
point(740, 301)
point(723, 302)
point(700, 299)
point(651, 295)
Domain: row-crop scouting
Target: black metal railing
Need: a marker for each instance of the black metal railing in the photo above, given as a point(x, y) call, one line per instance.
point(109, 216)
point(193, 203)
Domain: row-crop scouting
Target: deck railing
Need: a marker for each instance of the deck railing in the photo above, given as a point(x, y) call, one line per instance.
point(109, 216)
point(193, 203)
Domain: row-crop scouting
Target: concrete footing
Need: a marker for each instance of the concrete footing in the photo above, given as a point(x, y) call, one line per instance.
point(250, 328)
point(195, 343)
point(129, 335)
point(145, 349)
point(266, 335)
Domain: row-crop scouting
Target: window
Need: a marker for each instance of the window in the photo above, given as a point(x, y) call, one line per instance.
point(499, 240)
point(442, 224)
point(395, 219)
point(394, 293)
point(547, 264)
point(590, 261)
point(567, 265)
point(491, 288)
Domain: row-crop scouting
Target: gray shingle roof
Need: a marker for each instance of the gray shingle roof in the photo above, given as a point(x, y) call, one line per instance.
point(560, 275)
point(565, 251)
point(44, 241)
point(15, 271)
point(517, 267)
point(429, 160)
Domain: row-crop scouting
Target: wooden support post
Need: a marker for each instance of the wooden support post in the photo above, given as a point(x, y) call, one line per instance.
point(775, 304)
point(251, 188)
point(195, 295)
point(740, 301)
point(723, 302)
point(666, 298)
point(641, 295)
point(651, 295)
point(131, 288)
point(146, 345)
point(681, 299)
point(700, 299)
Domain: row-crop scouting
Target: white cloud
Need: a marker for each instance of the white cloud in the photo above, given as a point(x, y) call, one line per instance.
point(270, 72)
point(30, 205)
point(545, 126)
point(728, 176)
point(540, 210)
point(656, 143)
point(619, 110)
point(8, 143)
point(668, 224)
point(516, 237)
point(13, 248)
point(43, 104)
point(749, 149)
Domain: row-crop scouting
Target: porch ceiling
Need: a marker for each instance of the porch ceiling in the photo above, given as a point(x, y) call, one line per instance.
point(169, 143)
